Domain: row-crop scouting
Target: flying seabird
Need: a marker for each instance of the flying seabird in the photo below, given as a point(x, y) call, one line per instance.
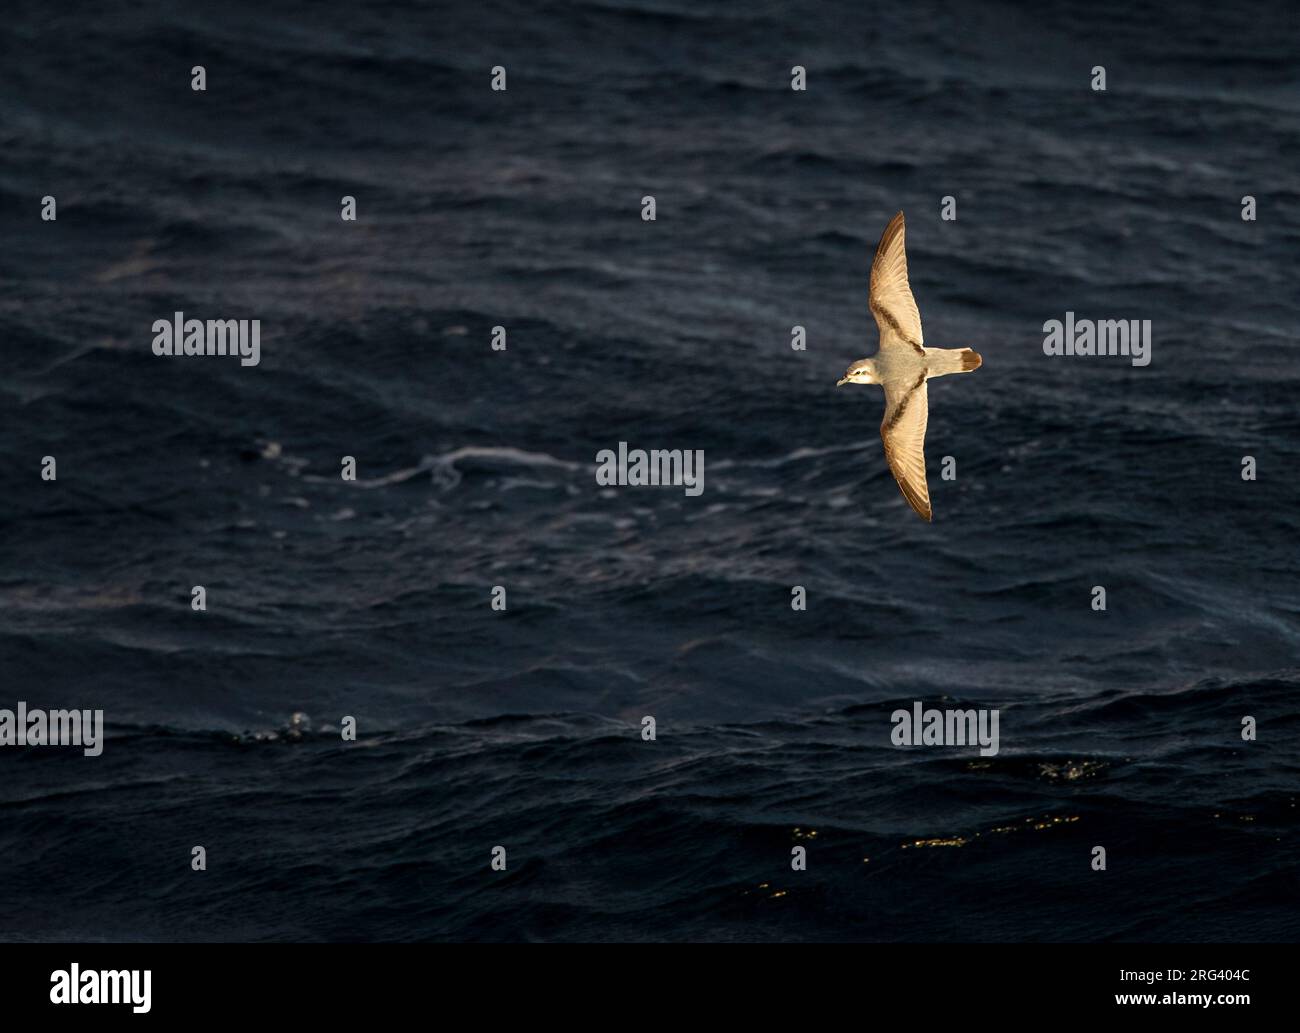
point(902, 366)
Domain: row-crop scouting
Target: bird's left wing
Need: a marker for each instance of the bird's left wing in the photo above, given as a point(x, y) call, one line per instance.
point(907, 413)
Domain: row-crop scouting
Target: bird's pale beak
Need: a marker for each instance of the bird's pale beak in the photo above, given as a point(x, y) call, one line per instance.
point(842, 380)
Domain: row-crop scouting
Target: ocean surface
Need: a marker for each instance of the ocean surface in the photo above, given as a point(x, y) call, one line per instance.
point(475, 468)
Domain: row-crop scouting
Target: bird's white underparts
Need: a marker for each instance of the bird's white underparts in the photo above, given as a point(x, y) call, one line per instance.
point(902, 366)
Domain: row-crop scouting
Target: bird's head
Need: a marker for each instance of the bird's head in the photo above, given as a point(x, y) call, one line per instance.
point(861, 372)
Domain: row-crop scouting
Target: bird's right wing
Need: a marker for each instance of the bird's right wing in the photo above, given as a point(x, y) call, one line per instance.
point(907, 413)
point(890, 296)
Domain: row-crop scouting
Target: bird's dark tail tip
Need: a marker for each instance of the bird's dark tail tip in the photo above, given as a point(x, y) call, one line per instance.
point(970, 360)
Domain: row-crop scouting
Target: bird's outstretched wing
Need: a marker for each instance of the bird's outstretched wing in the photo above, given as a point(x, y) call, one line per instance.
point(907, 412)
point(890, 296)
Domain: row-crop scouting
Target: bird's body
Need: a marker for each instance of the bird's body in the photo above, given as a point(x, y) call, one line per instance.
point(902, 366)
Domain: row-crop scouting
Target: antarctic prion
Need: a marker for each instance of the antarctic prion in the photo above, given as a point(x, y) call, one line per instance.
point(902, 366)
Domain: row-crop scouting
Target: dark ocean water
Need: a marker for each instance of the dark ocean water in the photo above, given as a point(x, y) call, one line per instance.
point(476, 468)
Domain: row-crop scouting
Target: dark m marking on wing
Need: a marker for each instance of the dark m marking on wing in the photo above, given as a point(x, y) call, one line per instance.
point(897, 414)
point(892, 323)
